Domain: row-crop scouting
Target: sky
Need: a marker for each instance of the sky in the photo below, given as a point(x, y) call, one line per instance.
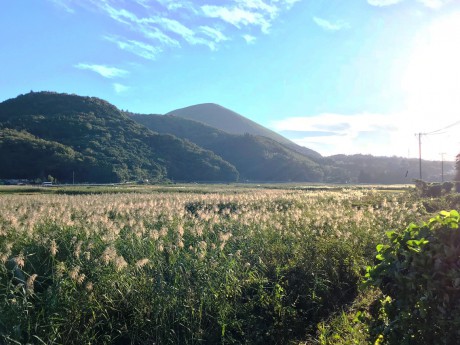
point(339, 77)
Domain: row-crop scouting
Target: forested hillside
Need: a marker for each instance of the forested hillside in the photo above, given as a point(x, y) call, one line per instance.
point(97, 142)
point(68, 136)
point(257, 158)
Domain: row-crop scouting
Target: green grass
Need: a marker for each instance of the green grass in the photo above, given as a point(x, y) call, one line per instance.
point(187, 264)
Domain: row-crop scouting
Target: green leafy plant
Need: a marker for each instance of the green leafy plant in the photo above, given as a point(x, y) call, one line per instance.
point(419, 276)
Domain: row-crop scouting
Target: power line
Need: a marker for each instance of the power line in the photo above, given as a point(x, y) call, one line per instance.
point(441, 129)
point(436, 132)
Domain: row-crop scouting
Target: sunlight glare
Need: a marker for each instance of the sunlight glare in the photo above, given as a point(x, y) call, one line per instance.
point(432, 85)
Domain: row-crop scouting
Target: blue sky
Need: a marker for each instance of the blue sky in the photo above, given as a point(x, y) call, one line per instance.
point(356, 76)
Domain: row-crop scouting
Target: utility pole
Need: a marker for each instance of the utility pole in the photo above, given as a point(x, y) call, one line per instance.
point(420, 153)
point(442, 166)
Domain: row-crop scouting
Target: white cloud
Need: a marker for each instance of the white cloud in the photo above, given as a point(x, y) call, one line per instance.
point(290, 3)
point(64, 4)
point(172, 25)
point(157, 34)
point(237, 16)
point(174, 5)
point(259, 5)
point(179, 29)
point(382, 3)
point(142, 25)
point(434, 4)
point(337, 133)
point(120, 15)
point(249, 39)
point(120, 88)
point(376, 134)
point(138, 48)
point(329, 26)
point(105, 71)
point(214, 34)
point(143, 3)
point(180, 22)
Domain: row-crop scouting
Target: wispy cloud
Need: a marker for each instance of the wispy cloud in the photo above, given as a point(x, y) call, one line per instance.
point(154, 26)
point(138, 48)
point(105, 71)
point(382, 3)
point(174, 5)
point(236, 16)
point(434, 4)
point(331, 26)
point(337, 133)
point(215, 34)
point(249, 39)
point(259, 5)
point(120, 88)
point(175, 27)
point(368, 133)
point(64, 4)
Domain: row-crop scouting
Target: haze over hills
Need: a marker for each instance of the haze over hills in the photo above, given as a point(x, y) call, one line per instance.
point(231, 122)
point(257, 158)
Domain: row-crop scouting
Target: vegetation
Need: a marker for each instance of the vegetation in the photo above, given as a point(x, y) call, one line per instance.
point(260, 158)
point(418, 275)
point(86, 139)
point(256, 158)
point(239, 266)
point(67, 135)
point(228, 121)
point(386, 170)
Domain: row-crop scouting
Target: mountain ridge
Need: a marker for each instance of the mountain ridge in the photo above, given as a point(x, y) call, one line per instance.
point(257, 158)
point(227, 120)
point(54, 134)
point(112, 146)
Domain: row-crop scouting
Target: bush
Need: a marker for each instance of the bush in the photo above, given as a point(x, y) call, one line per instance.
point(419, 275)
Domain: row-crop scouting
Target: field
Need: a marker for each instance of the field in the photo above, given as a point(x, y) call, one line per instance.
point(189, 264)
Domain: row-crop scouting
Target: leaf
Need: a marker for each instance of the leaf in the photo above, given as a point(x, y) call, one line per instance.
point(391, 234)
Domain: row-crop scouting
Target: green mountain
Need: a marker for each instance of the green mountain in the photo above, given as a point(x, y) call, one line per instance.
point(231, 122)
point(47, 133)
point(63, 135)
point(257, 158)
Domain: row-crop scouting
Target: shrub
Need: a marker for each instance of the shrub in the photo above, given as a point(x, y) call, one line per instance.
point(419, 276)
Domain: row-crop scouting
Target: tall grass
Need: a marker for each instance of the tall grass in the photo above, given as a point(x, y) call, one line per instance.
point(177, 268)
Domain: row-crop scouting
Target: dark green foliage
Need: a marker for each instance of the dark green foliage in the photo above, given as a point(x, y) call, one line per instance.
point(419, 275)
point(257, 158)
point(87, 136)
point(230, 122)
point(433, 190)
point(44, 157)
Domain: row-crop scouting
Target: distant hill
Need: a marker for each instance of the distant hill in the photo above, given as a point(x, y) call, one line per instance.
point(48, 133)
point(257, 158)
point(387, 170)
point(231, 122)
